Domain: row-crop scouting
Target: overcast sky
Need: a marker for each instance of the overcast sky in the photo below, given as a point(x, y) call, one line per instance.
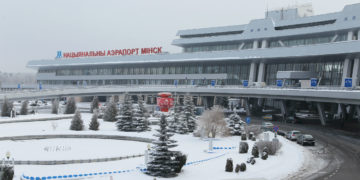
point(37, 29)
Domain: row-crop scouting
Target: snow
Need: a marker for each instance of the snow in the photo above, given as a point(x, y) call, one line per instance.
point(288, 160)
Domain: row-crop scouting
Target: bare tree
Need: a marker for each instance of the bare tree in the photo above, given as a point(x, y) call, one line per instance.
point(212, 121)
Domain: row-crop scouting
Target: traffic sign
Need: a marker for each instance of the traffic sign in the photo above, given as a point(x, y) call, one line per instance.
point(276, 128)
point(279, 83)
point(175, 82)
point(246, 83)
point(248, 119)
point(348, 82)
point(213, 82)
point(313, 82)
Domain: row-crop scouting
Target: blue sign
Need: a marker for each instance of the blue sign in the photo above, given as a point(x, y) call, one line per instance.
point(40, 86)
point(313, 82)
point(175, 82)
point(19, 86)
point(275, 128)
point(248, 119)
point(348, 82)
point(246, 83)
point(279, 83)
point(192, 82)
point(59, 54)
point(213, 82)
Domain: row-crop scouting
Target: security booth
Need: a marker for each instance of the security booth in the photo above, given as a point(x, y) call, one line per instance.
point(300, 79)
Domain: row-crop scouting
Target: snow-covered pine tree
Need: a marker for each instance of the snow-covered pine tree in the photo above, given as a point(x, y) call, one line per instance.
point(163, 163)
point(6, 108)
point(235, 124)
point(139, 121)
point(222, 101)
point(175, 119)
point(125, 120)
point(142, 107)
point(94, 104)
point(77, 123)
point(110, 111)
point(188, 113)
point(94, 123)
point(70, 106)
point(24, 107)
point(55, 106)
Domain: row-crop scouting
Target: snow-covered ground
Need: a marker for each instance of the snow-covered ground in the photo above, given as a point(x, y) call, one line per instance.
point(203, 165)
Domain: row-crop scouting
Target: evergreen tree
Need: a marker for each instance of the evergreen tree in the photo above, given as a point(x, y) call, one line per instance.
point(24, 107)
point(188, 113)
point(142, 107)
point(163, 163)
point(182, 125)
point(94, 104)
point(174, 124)
point(70, 106)
point(77, 123)
point(6, 108)
point(125, 120)
point(139, 121)
point(235, 124)
point(222, 101)
point(94, 123)
point(55, 106)
point(110, 111)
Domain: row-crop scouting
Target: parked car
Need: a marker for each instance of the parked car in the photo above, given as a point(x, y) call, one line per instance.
point(307, 115)
point(293, 135)
point(304, 139)
point(281, 132)
point(267, 126)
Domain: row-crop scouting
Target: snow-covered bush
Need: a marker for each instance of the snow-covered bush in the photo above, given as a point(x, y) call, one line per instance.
point(188, 113)
point(243, 137)
point(6, 108)
point(242, 167)
point(55, 106)
point(94, 123)
point(8, 173)
point(24, 107)
point(255, 151)
point(264, 153)
point(125, 119)
point(229, 165)
point(251, 160)
point(70, 106)
point(94, 104)
point(244, 147)
point(253, 138)
point(110, 112)
point(235, 124)
point(272, 146)
point(237, 168)
point(163, 163)
point(181, 161)
point(77, 123)
point(251, 135)
point(212, 121)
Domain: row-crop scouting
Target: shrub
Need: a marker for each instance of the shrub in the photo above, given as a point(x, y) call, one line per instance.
point(77, 123)
point(70, 106)
point(242, 167)
point(272, 146)
point(6, 108)
point(251, 160)
point(55, 106)
point(253, 138)
point(264, 155)
point(244, 147)
point(243, 137)
point(255, 151)
point(94, 104)
point(8, 173)
point(229, 165)
point(251, 135)
point(181, 159)
point(237, 168)
point(110, 112)
point(24, 108)
point(94, 124)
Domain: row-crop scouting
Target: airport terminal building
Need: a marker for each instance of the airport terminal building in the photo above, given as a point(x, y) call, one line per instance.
point(292, 40)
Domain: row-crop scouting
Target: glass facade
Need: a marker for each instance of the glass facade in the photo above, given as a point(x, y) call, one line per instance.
point(330, 72)
point(203, 48)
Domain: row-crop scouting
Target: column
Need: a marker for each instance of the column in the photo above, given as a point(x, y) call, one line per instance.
point(346, 71)
point(252, 74)
point(261, 73)
point(264, 44)
point(247, 106)
point(320, 108)
point(283, 109)
point(357, 109)
point(350, 36)
point(355, 73)
point(358, 35)
point(256, 44)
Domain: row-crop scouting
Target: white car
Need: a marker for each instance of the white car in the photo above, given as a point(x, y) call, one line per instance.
point(293, 135)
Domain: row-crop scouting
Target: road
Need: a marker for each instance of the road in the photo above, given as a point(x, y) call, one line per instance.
point(339, 147)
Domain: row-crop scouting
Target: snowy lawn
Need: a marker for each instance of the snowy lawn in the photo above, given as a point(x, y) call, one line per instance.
point(288, 160)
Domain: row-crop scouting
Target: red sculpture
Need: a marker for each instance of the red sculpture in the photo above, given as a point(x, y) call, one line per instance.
point(165, 101)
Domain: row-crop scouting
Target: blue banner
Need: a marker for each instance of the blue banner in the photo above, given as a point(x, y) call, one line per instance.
point(246, 83)
point(213, 82)
point(279, 83)
point(175, 82)
point(348, 82)
point(313, 82)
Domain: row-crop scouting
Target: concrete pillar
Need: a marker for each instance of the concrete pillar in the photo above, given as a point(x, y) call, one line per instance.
point(358, 35)
point(355, 73)
point(247, 106)
point(261, 74)
point(320, 108)
point(283, 109)
point(264, 44)
point(357, 109)
point(256, 44)
point(350, 36)
point(346, 71)
point(343, 114)
point(252, 74)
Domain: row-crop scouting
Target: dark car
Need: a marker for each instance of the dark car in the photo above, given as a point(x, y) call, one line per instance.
point(306, 139)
